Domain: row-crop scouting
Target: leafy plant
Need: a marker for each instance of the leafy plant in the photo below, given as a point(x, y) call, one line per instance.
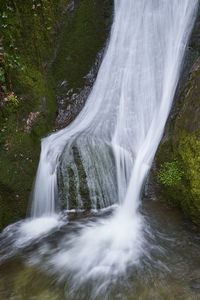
point(170, 173)
point(13, 100)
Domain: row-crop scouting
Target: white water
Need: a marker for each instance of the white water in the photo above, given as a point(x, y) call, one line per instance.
point(112, 142)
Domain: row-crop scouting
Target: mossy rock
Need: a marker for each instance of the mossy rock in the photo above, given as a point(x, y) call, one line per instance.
point(45, 43)
point(183, 147)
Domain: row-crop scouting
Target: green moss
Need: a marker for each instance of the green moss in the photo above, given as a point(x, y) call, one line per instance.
point(27, 47)
point(43, 44)
point(84, 35)
point(179, 174)
point(170, 173)
point(189, 150)
point(178, 159)
point(10, 212)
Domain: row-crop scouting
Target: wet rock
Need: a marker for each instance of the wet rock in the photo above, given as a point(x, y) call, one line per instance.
point(195, 284)
point(69, 7)
point(71, 101)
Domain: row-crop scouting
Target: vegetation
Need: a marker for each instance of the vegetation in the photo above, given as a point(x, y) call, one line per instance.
point(178, 158)
point(25, 48)
point(42, 43)
point(170, 173)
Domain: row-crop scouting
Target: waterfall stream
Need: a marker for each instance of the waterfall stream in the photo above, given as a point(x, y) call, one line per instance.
point(103, 157)
point(112, 142)
point(110, 146)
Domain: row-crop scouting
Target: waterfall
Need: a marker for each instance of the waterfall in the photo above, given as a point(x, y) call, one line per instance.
point(104, 155)
point(101, 160)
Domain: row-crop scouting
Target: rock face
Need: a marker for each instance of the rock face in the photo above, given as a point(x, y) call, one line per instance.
point(49, 56)
point(80, 51)
point(176, 172)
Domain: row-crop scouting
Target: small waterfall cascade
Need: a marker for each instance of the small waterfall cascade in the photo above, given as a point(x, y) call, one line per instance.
point(103, 157)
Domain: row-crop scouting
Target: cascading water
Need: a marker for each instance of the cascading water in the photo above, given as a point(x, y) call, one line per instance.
point(103, 157)
point(112, 142)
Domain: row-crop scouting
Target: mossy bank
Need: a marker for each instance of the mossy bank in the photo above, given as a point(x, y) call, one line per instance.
point(177, 163)
point(43, 43)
